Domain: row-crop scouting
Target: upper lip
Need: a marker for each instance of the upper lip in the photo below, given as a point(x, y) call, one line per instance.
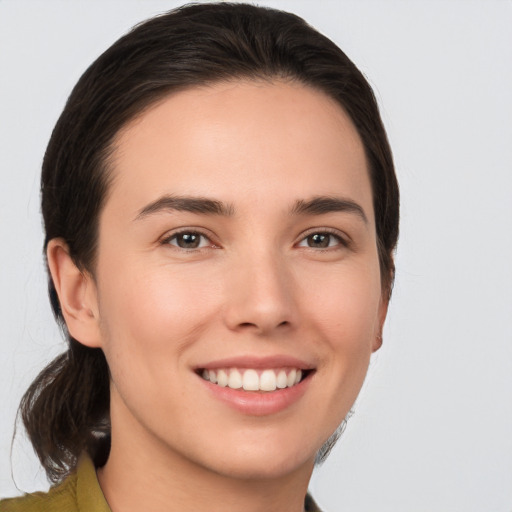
point(277, 361)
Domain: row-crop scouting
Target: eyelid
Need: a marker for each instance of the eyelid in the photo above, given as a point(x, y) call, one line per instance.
point(165, 239)
point(344, 239)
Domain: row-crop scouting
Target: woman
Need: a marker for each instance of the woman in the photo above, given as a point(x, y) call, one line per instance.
point(221, 212)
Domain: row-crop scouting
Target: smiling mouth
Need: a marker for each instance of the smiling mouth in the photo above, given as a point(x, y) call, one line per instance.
point(249, 379)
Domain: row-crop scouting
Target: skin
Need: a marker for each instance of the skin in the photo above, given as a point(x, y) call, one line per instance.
point(255, 287)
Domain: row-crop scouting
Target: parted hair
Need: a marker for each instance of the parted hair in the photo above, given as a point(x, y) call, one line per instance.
point(66, 409)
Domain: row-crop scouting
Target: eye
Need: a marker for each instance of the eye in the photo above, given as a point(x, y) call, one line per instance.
point(188, 240)
point(322, 240)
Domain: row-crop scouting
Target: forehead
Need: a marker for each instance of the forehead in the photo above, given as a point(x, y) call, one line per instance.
point(241, 141)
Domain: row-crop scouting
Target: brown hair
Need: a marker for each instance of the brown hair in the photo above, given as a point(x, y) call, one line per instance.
point(66, 409)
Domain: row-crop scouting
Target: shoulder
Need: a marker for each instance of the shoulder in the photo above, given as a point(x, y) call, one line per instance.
point(59, 498)
point(80, 491)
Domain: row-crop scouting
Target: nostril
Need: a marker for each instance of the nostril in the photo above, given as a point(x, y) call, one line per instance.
point(247, 324)
point(252, 325)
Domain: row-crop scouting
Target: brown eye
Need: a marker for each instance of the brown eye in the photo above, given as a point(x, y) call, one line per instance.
point(321, 241)
point(188, 240)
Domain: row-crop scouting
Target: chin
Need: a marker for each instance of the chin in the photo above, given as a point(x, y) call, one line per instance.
point(263, 459)
point(265, 467)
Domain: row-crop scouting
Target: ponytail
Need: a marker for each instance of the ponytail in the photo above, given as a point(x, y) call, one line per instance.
point(66, 411)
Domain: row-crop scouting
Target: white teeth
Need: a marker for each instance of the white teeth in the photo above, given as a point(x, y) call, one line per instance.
point(268, 380)
point(251, 381)
point(254, 380)
point(222, 378)
point(282, 380)
point(235, 379)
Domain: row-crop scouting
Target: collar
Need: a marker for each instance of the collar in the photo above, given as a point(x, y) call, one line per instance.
point(89, 495)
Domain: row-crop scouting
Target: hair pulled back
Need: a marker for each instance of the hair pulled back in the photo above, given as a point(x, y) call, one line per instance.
point(66, 410)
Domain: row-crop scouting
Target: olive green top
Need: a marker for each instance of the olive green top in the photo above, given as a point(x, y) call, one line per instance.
point(80, 492)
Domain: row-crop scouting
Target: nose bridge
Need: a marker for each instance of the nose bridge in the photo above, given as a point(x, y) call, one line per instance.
point(260, 291)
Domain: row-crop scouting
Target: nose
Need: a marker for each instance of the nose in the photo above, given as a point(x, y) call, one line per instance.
point(260, 294)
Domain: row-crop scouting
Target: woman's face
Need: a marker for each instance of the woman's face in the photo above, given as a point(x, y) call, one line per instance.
point(237, 245)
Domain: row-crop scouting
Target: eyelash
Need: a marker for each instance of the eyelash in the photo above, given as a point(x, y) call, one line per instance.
point(167, 240)
point(342, 242)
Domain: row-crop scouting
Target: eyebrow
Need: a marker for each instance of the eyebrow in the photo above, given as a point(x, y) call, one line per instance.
point(201, 205)
point(318, 205)
point(321, 205)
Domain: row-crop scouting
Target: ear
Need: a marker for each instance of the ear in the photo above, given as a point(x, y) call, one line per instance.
point(382, 313)
point(77, 294)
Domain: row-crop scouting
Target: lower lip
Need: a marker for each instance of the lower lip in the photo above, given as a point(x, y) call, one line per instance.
point(255, 403)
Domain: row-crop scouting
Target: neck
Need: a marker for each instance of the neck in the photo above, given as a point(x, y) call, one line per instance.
point(143, 475)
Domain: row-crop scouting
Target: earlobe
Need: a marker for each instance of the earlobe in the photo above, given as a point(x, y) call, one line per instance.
point(377, 343)
point(77, 294)
point(383, 311)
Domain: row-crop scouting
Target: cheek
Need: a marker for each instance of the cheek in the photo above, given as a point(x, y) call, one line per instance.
point(150, 315)
point(346, 304)
point(346, 317)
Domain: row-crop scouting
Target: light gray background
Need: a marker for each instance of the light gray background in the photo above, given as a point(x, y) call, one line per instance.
point(433, 425)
